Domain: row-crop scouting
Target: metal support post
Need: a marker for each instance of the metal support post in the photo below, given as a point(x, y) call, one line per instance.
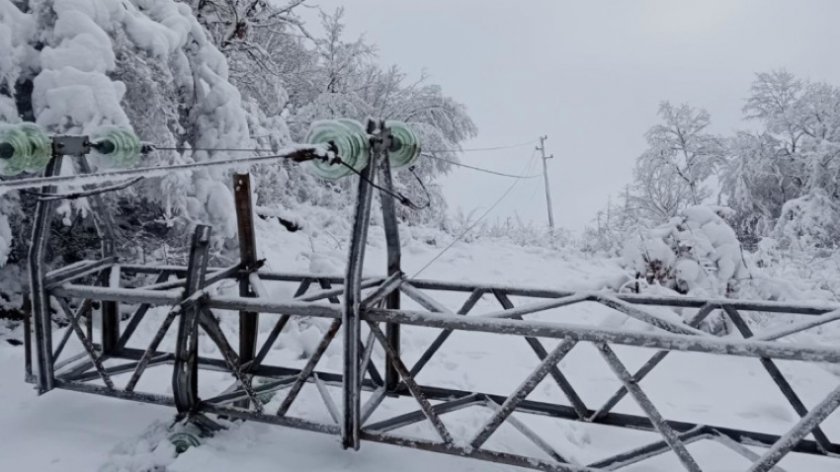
point(185, 368)
point(248, 320)
point(105, 228)
point(545, 159)
point(41, 318)
point(351, 311)
point(392, 238)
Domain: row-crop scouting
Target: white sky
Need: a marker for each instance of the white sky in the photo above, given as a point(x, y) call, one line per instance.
point(590, 75)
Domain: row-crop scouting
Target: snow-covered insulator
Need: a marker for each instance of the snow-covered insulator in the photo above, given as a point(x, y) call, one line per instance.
point(348, 142)
point(405, 147)
point(119, 145)
point(183, 440)
point(23, 147)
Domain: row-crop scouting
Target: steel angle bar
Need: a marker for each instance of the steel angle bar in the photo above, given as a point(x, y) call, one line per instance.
point(83, 310)
point(122, 295)
point(648, 451)
point(669, 341)
point(326, 285)
point(771, 335)
point(118, 369)
point(806, 425)
point(557, 330)
point(71, 267)
point(333, 292)
point(367, 353)
point(239, 394)
point(211, 326)
point(530, 292)
point(287, 421)
point(538, 307)
point(66, 274)
point(406, 419)
point(80, 367)
point(411, 385)
point(636, 299)
point(212, 277)
point(647, 317)
point(351, 309)
point(670, 436)
point(136, 318)
point(39, 298)
point(299, 277)
point(150, 351)
point(622, 420)
point(373, 403)
point(651, 363)
point(468, 305)
point(26, 310)
point(394, 264)
point(132, 325)
point(423, 299)
point(309, 368)
point(530, 434)
point(522, 391)
point(302, 288)
point(64, 363)
point(250, 285)
point(99, 390)
point(267, 344)
point(185, 367)
point(481, 454)
point(327, 398)
point(538, 348)
point(110, 311)
point(779, 379)
point(295, 308)
point(388, 286)
point(87, 344)
point(740, 449)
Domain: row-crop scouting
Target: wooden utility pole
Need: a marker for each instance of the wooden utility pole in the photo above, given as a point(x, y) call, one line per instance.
point(545, 158)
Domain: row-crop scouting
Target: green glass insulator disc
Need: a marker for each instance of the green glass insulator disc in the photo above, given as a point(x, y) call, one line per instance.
point(40, 147)
point(405, 146)
point(120, 146)
point(184, 440)
point(350, 144)
point(15, 150)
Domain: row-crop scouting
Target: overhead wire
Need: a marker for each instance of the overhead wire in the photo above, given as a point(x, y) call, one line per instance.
point(480, 169)
point(490, 148)
point(469, 228)
point(476, 149)
point(302, 153)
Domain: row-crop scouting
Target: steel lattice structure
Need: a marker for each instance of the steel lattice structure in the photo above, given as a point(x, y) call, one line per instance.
point(364, 314)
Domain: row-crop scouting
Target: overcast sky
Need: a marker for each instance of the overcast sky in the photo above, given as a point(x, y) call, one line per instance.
point(589, 74)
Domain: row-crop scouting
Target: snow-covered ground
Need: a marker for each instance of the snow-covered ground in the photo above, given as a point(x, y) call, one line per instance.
point(66, 431)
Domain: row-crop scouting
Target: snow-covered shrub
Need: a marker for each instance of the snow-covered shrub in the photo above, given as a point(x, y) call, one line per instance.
point(696, 252)
point(809, 222)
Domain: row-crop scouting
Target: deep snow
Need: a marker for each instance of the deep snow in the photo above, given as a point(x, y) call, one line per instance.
point(64, 431)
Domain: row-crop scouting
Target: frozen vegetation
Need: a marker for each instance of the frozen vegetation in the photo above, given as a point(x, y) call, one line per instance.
point(754, 215)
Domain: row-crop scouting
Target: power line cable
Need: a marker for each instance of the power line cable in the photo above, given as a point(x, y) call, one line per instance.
point(490, 148)
point(476, 222)
point(298, 154)
point(480, 169)
point(455, 151)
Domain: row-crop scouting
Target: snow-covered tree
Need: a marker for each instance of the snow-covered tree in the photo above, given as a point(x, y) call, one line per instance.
point(795, 158)
point(681, 145)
